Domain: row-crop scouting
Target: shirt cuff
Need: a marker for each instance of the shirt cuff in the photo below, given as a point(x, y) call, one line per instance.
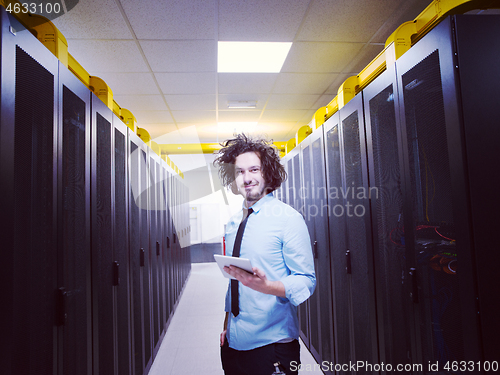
point(296, 289)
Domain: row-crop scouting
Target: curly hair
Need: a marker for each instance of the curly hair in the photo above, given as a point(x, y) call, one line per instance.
point(272, 169)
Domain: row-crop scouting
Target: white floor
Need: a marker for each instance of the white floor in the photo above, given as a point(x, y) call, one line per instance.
point(191, 344)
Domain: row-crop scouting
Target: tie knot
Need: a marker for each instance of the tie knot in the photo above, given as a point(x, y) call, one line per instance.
point(247, 213)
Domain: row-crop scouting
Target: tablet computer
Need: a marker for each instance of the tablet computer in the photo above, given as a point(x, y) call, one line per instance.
point(223, 260)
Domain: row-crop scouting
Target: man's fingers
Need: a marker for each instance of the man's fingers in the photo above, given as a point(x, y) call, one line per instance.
point(258, 272)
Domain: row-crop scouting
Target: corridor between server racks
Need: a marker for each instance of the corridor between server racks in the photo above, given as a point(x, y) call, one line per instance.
point(191, 343)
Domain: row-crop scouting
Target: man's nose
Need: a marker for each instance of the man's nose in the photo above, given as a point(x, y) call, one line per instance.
point(247, 177)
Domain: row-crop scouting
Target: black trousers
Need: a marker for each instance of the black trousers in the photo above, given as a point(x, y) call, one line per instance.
point(260, 361)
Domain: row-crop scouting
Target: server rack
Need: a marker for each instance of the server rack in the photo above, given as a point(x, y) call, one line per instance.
point(315, 211)
point(121, 262)
point(337, 236)
point(25, 157)
point(102, 237)
point(446, 134)
point(80, 296)
point(392, 282)
point(74, 216)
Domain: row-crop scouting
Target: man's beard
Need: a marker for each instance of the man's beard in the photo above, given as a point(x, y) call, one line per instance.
point(252, 196)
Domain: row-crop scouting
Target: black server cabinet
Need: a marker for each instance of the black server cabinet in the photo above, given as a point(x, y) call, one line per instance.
point(359, 251)
point(480, 126)
point(102, 238)
point(314, 193)
point(74, 223)
point(169, 264)
point(121, 259)
point(392, 269)
point(352, 265)
point(28, 145)
point(295, 200)
point(110, 293)
point(139, 253)
point(152, 213)
point(165, 246)
point(447, 132)
point(337, 237)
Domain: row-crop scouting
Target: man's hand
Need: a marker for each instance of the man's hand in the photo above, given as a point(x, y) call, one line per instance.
point(257, 281)
point(222, 337)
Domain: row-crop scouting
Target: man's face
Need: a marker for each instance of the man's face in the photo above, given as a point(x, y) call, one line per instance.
point(248, 177)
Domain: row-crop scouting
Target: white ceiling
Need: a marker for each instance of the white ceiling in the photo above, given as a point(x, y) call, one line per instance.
point(159, 57)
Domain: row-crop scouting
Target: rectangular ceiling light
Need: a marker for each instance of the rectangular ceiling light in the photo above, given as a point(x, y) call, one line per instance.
point(242, 104)
point(251, 57)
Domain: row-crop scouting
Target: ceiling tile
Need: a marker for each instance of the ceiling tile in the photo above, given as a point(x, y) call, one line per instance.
point(283, 115)
point(116, 56)
point(395, 17)
point(181, 56)
point(141, 102)
point(93, 19)
point(153, 117)
point(319, 57)
point(171, 19)
point(131, 83)
point(281, 101)
point(194, 116)
point(260, 20)
point(186, 83)
point(303, 83)
point(323, 101)
point(158, 131)
point(364, 57)
point(191, 102)
point(240, 83)
point(345, 20)
point(239, 116)
point(274, 131)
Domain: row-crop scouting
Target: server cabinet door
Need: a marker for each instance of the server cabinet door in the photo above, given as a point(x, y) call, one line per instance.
point(394, 312)
point(359, 243)
point(295, 200)
point(146, 297)
point(74, 222)
point(316, 216)
point(307, 202)
point(321, 245)
point(28, 270)
point(163, 246)
point(155, 243)
point(337, 242)
point(437, 230)
point(139, 250)
point(121, 258)
point(480, 119)
point(102, 238)
point(289, 195)
point(169, 269)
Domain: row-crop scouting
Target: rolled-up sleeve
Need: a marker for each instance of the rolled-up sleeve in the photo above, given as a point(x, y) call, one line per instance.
point(298, 256)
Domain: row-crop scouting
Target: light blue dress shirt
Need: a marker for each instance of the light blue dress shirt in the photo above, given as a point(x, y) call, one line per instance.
point(276, 241)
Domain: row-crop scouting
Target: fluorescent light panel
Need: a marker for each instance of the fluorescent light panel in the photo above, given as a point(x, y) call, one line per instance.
point(242, 104)
point(251, 57)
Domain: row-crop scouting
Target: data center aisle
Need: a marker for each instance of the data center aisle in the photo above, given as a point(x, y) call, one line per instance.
point(191, 344)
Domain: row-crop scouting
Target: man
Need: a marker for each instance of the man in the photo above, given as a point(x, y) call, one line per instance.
point(261, 324)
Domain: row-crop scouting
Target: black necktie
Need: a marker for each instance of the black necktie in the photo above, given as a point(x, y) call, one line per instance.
point(235, 302)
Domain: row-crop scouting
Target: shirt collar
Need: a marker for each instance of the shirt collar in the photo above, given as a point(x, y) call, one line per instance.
point(262, 201)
